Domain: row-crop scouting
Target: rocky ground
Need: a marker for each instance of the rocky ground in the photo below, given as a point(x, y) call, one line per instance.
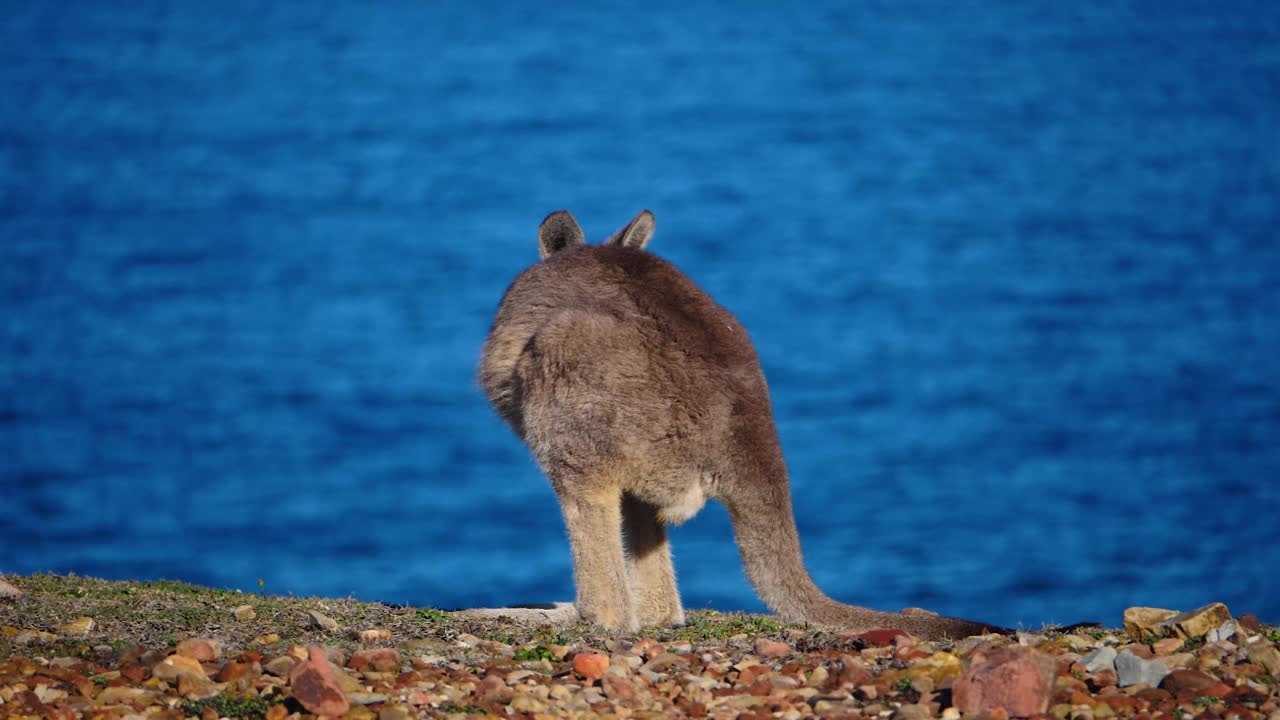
point(74, 647)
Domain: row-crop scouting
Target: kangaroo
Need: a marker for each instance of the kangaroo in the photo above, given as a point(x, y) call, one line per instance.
point(640, 398)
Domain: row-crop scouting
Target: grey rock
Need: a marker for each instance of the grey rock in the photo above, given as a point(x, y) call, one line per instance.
point(279, 666)
point(1103, 658)
point(1266, 655)
point(7, 590)
point(28, 637)
point(364, 698)
point(1133, 670)
point(1077, 643)
point(1222, 632)
point(1030, 639)
point(560, 613)
point(322, 621)
point(912, 711)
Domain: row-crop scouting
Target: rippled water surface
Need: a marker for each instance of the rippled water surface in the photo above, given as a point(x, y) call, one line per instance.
point(1013, 272)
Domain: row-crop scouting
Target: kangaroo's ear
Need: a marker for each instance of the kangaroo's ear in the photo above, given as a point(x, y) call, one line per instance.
point(559, 231)
point(636, 234)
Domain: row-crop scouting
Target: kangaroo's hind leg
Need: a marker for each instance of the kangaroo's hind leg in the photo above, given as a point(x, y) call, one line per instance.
point(652, 577)
point(593, 517)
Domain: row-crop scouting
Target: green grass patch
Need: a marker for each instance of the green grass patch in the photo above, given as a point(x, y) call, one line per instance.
point(433, 615)
point(176, 586)
point(712, 625)
point(229, 706)
point(1194, 643)
point(538, 652)
point(451, 708)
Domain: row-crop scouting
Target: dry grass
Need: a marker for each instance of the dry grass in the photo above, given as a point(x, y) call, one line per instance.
point(159, 614)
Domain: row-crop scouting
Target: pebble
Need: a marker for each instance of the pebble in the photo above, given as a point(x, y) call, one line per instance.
point(922, 684)
point(1030, 639)
point(1103, 658)
point(28, 637)
point(422, 662)
point(541, 665)
point(527, 704)
point(1197, 623)
point(1133, 670)
point(232, 671)
point(186, 674)
point(1264, 653)
point(374, 635)
point(494, 647)
point(123, 696)
point(619, 689)
point(280, 666)
point(627, 662)
point(378, 659)
point(315, 685)
point(880, 638)
point(940, 666)
point(1221, 633)
point(912, 711)
point(176, 666)
point(200, 649)
point(558, 652)
point(492, 689)
point(244, 613)
point(321, 621)
point(79, 626)
point(665, 662)
point(591, 666)
point(196, 688)
point(813, 673)
point(767, 648)
point(1193, 684)
point(335, 655)
point(1144, 623)
point(1249, 621)
point(1016, 680)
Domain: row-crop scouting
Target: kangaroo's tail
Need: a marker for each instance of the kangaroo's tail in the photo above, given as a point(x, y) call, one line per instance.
point(765, 527)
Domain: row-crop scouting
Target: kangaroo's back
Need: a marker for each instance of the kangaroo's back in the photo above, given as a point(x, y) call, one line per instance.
point(641, 398)
point(623, 330)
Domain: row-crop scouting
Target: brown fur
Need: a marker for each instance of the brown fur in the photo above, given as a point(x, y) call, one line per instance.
point(640, 398)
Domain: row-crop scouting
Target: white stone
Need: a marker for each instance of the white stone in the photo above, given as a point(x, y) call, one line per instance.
point(1133, 670)
point(1222, 632)
point(322, 621)
point(1104, 658)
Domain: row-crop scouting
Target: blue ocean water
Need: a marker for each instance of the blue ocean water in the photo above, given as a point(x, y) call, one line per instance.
point(1013, 270)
